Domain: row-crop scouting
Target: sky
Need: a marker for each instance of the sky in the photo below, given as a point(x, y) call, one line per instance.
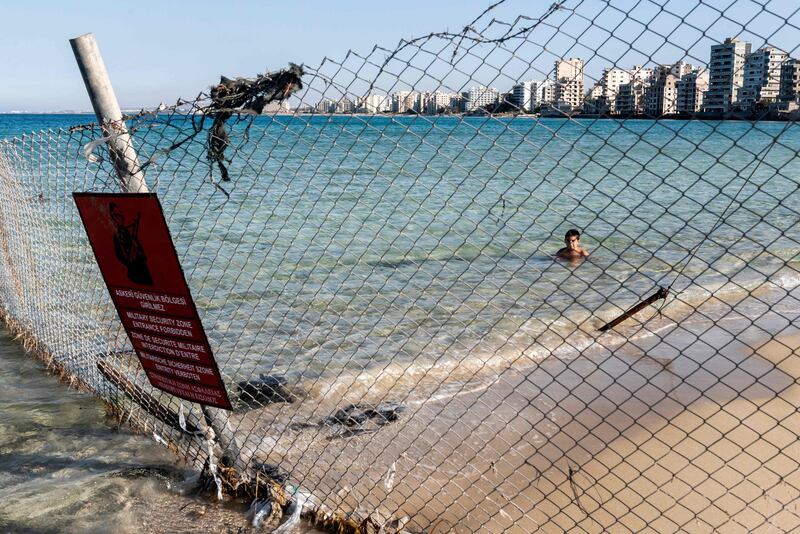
point(159, 51)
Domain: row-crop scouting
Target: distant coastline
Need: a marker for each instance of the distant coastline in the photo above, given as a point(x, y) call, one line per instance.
point(764, 115)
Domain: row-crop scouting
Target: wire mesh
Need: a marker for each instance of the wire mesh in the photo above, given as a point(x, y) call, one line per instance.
point(379, 287)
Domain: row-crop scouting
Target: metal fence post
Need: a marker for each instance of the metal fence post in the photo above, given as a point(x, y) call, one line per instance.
point(126, 164)
point(109, 115)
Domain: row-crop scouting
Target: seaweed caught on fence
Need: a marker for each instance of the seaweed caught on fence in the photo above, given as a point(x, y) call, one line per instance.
point(237, 96)
point(244, 96)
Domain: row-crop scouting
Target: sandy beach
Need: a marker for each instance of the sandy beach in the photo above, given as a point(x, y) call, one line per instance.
point(675, 432)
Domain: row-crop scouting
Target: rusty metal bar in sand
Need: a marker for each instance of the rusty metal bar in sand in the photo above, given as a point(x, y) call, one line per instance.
point(662, 293)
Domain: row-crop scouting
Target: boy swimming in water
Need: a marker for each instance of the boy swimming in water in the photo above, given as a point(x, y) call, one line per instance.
point(573, 250)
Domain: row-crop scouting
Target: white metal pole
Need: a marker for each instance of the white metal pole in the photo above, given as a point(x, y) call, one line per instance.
point(106, 108)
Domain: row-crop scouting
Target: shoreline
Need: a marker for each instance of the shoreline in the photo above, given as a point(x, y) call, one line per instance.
point(656, 433)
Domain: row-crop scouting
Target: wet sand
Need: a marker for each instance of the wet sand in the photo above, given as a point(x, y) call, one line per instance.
point(692, 430)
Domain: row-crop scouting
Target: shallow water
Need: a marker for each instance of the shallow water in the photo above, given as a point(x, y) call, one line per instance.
point(349, 243)
point(67, 467)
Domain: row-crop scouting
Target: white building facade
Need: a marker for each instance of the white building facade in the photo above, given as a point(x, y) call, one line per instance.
point(373, 104)
point(569, 83)
point(438, 102)
point(542, 93)
point(762, 77)
point(521, 96)
point(326, 105)
point(609, 83)
point(726, 75)
point(481, 97)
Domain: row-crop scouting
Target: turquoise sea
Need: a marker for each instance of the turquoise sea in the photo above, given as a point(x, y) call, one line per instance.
point(349, 243)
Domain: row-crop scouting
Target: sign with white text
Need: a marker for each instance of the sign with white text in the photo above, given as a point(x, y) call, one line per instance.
point(136, 255)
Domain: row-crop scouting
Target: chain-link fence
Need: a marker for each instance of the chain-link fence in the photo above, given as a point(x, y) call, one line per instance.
point(373, 261)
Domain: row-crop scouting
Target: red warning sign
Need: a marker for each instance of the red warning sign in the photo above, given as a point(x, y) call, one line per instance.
point(137, 258)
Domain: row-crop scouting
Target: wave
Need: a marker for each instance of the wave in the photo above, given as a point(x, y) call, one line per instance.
point(573, 335)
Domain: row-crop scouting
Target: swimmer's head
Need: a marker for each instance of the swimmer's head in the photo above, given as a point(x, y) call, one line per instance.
point(572, 239)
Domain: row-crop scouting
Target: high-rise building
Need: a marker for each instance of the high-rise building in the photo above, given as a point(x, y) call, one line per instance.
point(527, 96)
point(609, 83)
point(569, 83)
point(630, 98)
point(726, 75)
point(459, 102)
point(345, 105)
point(281, 106)
point(542, 93)
point(680, 69)
point(762, 77)
point(641, 75)
point(481, 97)
point(521, 96)
point(690, 89)
point(661, 93)
point(421, 102)
point(398, 101)
point(594, 102)
point(326, 105)
point(595, 92)
point(438, 102)
point(403, 101)
point(373, 104)
point(790, 81)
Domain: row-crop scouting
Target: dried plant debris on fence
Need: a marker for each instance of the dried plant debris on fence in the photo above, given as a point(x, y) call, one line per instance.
point(238, 96)
point(244, 95)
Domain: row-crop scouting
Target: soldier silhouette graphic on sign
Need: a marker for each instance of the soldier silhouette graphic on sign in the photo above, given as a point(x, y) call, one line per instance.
point(128, 248)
